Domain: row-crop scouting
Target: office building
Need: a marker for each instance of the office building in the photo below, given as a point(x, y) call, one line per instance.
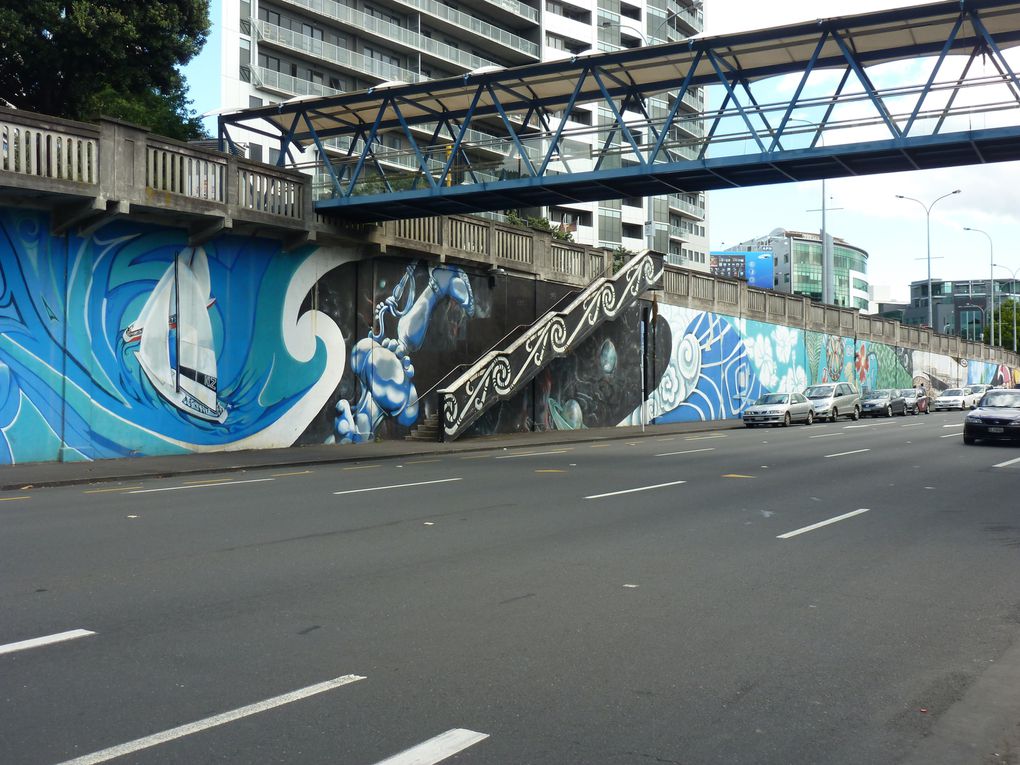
point(276, 50)
point(959, 307)
point(797, 266)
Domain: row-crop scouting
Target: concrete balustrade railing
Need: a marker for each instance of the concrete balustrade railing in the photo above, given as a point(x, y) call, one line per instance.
point(707, 293)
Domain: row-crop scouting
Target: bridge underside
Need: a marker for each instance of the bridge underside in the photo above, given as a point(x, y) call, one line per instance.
point(972, 148)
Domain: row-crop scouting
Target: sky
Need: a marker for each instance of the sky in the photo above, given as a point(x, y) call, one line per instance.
point(891, 230)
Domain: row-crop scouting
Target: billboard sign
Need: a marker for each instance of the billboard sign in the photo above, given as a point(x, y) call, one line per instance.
point(753, 267)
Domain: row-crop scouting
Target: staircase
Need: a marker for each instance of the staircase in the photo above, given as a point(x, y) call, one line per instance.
point(501, 373)
point(426, 430)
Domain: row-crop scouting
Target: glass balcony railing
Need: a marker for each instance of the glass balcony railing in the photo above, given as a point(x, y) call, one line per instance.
point(679, 203)
point(334, 54)
point(389, 31)
point(468, 22)
point(286, 85)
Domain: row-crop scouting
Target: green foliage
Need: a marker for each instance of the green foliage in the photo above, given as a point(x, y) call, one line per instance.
point(84, 58)
point(620, 256)
point(537, 223)
point(1004, 324)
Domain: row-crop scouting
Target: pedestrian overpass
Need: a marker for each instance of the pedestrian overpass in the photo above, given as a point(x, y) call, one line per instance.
point(906, 89)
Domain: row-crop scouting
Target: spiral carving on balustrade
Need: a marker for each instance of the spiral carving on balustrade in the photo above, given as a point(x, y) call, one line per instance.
point(497, 376)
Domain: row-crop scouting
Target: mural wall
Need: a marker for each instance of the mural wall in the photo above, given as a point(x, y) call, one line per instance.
point(125, 341)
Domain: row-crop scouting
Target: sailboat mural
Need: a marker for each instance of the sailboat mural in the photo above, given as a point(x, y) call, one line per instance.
point(175, 338)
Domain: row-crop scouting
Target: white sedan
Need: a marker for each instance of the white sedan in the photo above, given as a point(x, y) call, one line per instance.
point(779, 409)
point(955, 398)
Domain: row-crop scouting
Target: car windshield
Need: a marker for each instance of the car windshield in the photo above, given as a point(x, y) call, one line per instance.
point(773, 398)
point(1001, 399)
point(952, 392)
point(879, 394)
point(908, 393)
point(818, 391)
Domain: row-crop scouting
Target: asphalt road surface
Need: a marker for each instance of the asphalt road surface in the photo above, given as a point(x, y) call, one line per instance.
point(841, 593)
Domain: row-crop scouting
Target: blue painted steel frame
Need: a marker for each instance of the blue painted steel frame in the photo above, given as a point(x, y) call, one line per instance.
point(655, 170)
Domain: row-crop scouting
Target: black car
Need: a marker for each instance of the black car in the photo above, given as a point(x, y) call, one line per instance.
point(997, 417)
point(885, 403)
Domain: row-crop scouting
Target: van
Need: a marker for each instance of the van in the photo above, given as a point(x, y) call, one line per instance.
point(834, 400)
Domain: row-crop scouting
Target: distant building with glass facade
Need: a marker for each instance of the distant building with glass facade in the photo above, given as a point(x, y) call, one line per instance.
point(797, 266)
point(960, 307)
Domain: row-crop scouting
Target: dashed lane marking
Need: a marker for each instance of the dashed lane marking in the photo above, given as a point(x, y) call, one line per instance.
point(419, 462)
point(704, 438)
point(362, 467)
point(59, 637)
point(12, 499)
point(106, 491)
point(735, 475)
point(1007, 463)
point(398, 486)
point(819, 525)
point(843, 454)
point(437, 749)
point(531, 454)
point(297, 472)
point(200, 486)
point(687, 451)
point(827, 435)
point(631, 491)
point(951, 435)
point(955, 425)
point(210, 722)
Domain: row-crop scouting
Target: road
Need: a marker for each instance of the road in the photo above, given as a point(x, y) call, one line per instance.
point(839, 593)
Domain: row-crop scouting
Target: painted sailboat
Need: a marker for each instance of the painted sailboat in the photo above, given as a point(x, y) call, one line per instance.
point(175, 339)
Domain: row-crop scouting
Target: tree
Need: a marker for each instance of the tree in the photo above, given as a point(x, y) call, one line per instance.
point(1003, 324)
point(84, 58)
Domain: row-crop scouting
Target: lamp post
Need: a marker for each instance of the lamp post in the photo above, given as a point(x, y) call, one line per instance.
point(1012, 292)
point(828, 277)
point(927, 219)
point(991, 283)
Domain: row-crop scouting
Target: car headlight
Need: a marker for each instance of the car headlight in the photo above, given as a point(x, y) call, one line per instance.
point(972, 418)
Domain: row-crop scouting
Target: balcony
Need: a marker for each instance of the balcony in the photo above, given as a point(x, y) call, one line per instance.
point(676, 202)
point(327, 52)
point(383, 30)
point(464, 21)
point(287, 86)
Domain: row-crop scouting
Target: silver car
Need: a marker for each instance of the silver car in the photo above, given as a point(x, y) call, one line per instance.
point(779, 409)
point(833, 400)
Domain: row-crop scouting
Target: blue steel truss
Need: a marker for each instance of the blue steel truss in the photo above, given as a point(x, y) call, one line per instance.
point(644, 149)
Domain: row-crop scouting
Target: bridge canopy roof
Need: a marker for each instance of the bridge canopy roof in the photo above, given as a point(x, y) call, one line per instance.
point(878, 37)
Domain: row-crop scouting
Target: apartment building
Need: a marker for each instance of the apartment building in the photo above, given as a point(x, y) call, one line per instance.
point(277, 50)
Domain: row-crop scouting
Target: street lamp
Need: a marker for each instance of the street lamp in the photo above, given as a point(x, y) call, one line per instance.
point(927, 218)
point(1012, 292)
point(991, 283)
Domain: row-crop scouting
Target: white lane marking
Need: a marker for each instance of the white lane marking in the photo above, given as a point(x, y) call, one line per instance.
point(59, 637)
point(950, 435)
point(912, 425)
point(531, 454)
point(818, 525)
point(631, 491)
point(200, 486)
point(827, 435)
point(843, 454)
point(398, 486)
point(437, 749)
point(688, 451)
point(704, 438)
point(957, 425)
point(210, 722)
point(1007, 462)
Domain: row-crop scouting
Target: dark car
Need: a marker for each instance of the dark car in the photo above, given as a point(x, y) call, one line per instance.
point(997, 417)
point(884, 403)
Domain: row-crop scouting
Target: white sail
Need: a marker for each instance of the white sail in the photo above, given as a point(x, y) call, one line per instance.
point(180, 302)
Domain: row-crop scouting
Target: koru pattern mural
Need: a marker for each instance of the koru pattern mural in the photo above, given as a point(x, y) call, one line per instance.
point(126, 341)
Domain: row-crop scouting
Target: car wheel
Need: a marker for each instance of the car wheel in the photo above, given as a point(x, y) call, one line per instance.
point(888, 410)
point(786, 420)
point(810, 418)
point(834, 414)
point(857, 414)
point(968, 440)
point(748, 424)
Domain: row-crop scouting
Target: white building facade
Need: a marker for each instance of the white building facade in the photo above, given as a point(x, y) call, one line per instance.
point(277, 50)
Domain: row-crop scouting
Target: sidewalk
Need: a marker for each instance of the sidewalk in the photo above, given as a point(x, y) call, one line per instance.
point(36, 474)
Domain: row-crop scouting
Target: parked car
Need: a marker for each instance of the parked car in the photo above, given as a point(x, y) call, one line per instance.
point(954, 398)
point(779, 409)
point(997, 417)
point(885, 402)
point(912, 397)
point(980, 389)
point(833, 400)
